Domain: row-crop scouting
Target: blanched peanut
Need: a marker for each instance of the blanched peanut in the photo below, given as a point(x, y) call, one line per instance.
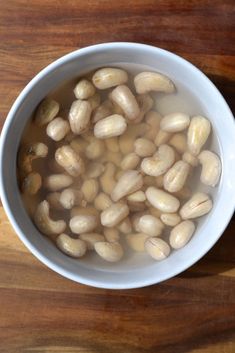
point(170, 219)
point(135, 218)
point(53, 199)
point(150, 225)
point(112, 144)
point(94, 170)
point(176, 176)
point(175, 122)
point(129, 182)
point(67, 158)
point(179, 142)
point(102, 111)
point(211, 168)
point(95, 149)
point(111, 235)
point(90, 239)
point(109, 77)
point(73, 247)
point(111, 252)
point(153, 81)
point(43, 221)
point(70, 198)
point(102, 201)
point(144, 147)
point(130, 161)
point(94, 101)
point(125, 226)
point(46, 111)
point(162, 137)
point(162, 200)
point(157, 248)
point(31, 183)
point(190, 159)
point(83, 223)
point(160, 162)
point(138, 196)
point(136, 241)
point(113, 125)
point(79, 116)
point(79, 145)
point(126, 140)
point(114, 214)
point(57, 129)
point(145, 102)
point(198, 132)
point(153, 120)
point(57, 182)
point(90, 189)
point(84, 89)
point(107, 180)
point(197, 206)
point(181, 234)
point(123, 96)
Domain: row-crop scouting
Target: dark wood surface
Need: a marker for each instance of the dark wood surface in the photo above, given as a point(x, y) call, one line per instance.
point(43, 312)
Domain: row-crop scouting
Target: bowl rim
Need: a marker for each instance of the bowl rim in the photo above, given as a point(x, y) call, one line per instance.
point(45, 259)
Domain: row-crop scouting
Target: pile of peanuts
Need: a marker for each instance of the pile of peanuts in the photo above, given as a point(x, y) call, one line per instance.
point(119, 170)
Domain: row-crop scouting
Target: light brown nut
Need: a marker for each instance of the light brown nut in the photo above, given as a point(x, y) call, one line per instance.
point(107, 180)
point(175, 122)
point(162, 200)
point(211, 168)
point(181, 234)
point(126, 140)
point(31, 183)
point(102, 111)
point(138, 196)
point(190, 159)
point(113, 125)
point(198, 132)
point(129, 182)
point(111, 235)
point(55, 182)
point(57, 129)
point(109, 77)
point(145, 102)
point(179, 142)
point(79, 116)
point(123, 97)
point(70, 197)
point(176, 176)
point(198, 205)
point(67, 158)
point(162, 137)
point(125, 226)
point(102, 201)
point(46, 111)
point(83, 223)
point(136, 241)
point(112, 144)
point(28, 153)
point(43, 221)
point(150, 225)
point(90, 239)
point(84, 89)
point(72, 247)
point(94, 170)
point(161, 161)
point(144, 147)
point(170, 219)
point(153, 119)
point(130, 161)
point(89, 189)
point(157, 248)
point(95, 149)
point(53, 199)
point(94, 101)
point(111, 252)
point(153, 81)
point(114, 214)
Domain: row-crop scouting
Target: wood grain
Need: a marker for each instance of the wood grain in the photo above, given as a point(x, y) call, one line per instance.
point(39, 310)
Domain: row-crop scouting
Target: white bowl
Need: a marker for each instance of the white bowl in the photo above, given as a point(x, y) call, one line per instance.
point(196, 94)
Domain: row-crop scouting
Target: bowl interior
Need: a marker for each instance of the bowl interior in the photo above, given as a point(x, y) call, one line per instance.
point(195, 95)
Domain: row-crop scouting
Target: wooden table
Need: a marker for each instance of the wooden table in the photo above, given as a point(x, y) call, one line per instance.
point(39, 310)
